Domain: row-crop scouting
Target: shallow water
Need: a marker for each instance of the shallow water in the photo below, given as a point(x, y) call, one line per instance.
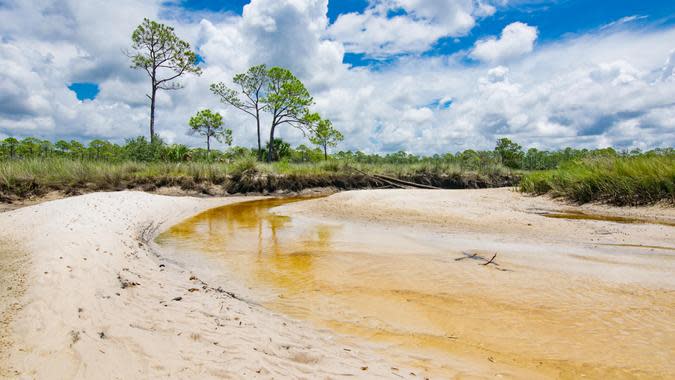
point(579, 215)
point(405, 290)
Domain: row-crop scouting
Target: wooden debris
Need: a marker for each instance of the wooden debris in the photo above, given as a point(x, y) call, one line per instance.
point(486, 262)
point(491, 260)
point(394, 182)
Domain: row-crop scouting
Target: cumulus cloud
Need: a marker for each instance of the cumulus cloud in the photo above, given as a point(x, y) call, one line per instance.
point(415, 26)
point(516, 40)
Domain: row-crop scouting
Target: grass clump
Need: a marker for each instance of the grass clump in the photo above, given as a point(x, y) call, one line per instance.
point(617, 180)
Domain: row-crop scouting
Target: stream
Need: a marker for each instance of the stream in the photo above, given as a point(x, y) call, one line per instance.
point(429, 299)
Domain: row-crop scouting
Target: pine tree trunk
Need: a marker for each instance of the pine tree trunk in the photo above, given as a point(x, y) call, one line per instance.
point(271, 149)
point(257, 119)
point(152, 114)
point(325, 153)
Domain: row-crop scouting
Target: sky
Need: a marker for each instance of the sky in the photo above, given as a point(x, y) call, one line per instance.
point(423, 76)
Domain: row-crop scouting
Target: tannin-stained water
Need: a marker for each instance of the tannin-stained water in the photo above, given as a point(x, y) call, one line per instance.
point(425, 303)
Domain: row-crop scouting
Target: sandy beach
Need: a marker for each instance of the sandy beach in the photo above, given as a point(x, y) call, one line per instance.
point(87, 293)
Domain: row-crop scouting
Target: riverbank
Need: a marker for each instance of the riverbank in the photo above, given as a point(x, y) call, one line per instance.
point(100, 298)
point(27, 179)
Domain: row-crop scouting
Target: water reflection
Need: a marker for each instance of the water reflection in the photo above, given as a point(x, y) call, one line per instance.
point(400, 289)
point(284, 254)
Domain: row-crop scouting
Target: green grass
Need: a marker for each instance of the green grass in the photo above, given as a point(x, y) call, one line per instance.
point(615, 180)
point(638, 180)
point(25, 177)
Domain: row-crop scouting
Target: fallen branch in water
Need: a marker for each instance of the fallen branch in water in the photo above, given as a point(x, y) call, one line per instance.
point(491, 260)
point(469, 256)
point(475, 256)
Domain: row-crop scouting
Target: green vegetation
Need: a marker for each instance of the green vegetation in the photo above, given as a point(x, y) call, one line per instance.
point(32, 166)
point(252, 86)
point(620, 180)
point(324, 135)
point(210, 124)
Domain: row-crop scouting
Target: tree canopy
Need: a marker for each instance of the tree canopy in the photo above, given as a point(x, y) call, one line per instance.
point(251, 87)
point(324, 135)
point(288, 101)
point(511, 153)
point(210, 125)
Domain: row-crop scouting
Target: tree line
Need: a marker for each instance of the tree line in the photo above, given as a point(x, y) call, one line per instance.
point(506, 153)
point(275, 91)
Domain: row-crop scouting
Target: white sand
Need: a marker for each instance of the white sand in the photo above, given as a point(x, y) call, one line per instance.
point(100, 303)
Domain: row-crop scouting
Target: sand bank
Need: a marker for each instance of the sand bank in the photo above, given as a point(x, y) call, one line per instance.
point(102, 302)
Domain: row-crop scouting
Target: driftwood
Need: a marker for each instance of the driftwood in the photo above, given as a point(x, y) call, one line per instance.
point(491, 260)
point(475, 256)
point(467, 255)
point(395, 182)
point(413, 184)
point(376, 178)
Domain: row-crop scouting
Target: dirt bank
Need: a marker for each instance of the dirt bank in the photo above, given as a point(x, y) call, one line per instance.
point(26, 190)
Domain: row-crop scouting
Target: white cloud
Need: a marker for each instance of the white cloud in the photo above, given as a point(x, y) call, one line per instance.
point(623, 21)
point(516, 40)
point(415, 27)
point(418, 115)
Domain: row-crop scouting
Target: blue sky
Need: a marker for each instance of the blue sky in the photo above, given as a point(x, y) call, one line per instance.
point(564, 18)
point(425, 76)
point(555, 19)
point(85, 90)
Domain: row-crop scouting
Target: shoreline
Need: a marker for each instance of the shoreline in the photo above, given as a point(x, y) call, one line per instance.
point(103, 297)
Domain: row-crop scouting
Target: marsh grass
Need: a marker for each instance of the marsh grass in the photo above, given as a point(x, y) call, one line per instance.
point(34, 176)
point(616, 180)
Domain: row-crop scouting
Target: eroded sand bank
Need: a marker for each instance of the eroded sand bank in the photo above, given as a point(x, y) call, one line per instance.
point(578, 298)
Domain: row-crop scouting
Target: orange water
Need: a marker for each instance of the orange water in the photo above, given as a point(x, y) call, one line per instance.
point(403, 290)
